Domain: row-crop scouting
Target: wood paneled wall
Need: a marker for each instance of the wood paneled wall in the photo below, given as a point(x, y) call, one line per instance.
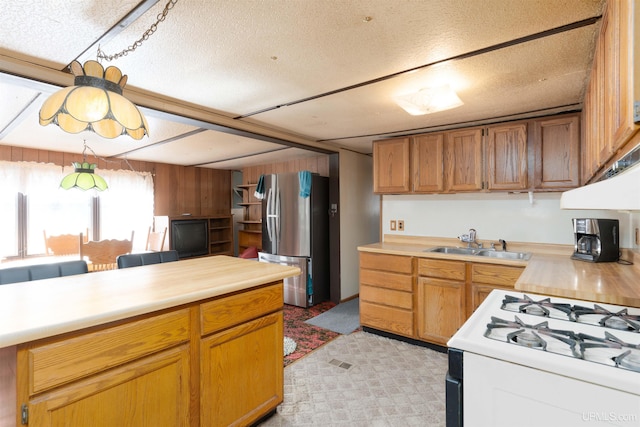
point(318, 164)
point(177, 189)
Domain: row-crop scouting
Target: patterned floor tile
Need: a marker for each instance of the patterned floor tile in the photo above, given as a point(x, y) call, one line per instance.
point(363, 379)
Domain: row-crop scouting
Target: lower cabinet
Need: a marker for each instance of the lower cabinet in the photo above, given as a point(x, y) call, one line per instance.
point(153, 391)
point(425, 298)
point(441, 299)
point(386, 293)
point(213, 363)
point(241, 372)
point(487, 277)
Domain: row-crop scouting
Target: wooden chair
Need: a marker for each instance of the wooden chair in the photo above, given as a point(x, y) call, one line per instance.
point(62, 244)
point(155, 240)
point(103, 254)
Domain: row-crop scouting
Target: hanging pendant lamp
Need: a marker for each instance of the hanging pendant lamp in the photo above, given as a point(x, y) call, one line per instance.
point(95, 103)
point(84, 176)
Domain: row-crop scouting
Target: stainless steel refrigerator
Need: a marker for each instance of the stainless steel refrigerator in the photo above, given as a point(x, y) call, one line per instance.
point(295, 232)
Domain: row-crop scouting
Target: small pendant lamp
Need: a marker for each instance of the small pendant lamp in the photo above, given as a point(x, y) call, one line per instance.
point(84, 176)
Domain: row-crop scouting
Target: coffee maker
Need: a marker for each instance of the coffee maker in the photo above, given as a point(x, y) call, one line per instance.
point(596, 240)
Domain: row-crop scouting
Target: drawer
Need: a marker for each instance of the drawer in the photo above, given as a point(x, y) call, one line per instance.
point(441, 268)
point(401, 282)
point(503, 275)
point(392, 263)
point(388, 297)
point(66, 360)
point(232, 310)
point(388, 319)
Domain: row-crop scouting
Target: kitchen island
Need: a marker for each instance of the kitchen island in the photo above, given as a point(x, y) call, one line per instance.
point(188, 343)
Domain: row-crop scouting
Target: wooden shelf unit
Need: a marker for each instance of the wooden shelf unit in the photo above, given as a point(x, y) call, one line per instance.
point(220, 229)
point(220, 235)
point(251, 234)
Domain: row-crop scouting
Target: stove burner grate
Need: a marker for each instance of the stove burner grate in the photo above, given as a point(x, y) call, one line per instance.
point(620, 320)
point(542, 308)
point(532, 335)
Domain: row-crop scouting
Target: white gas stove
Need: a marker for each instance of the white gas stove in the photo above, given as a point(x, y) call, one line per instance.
point(547, 360)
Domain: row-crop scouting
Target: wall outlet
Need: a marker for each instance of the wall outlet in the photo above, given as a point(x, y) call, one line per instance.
point(637, 236)
point(400, 225)
point(392, 225)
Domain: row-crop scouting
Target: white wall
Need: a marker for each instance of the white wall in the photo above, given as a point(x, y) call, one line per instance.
point(511, 217)
point(359, 216)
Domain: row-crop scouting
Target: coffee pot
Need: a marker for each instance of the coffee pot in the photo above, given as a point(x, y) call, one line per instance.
point(596, 240)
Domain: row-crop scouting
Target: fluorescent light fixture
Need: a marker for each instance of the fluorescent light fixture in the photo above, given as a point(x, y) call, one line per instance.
point(429, 100)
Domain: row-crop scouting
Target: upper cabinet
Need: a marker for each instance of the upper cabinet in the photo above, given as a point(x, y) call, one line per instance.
point(507, 157)
point(391, 166)
point(608, 114)
point(540, 154)
point(428, 162)
point(556, 144)
point(463, 160)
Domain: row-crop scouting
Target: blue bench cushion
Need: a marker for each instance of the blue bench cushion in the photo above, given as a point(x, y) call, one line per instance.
point(146, 258)
point(42, 271)
point(14, 275)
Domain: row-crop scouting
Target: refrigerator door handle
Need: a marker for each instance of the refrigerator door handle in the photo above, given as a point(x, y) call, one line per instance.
point(269, 215)
point(276, 217)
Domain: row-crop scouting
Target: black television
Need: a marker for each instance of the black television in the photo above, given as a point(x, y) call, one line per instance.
point(190, 237)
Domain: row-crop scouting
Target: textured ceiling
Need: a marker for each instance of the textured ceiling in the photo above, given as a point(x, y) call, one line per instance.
point(316, 72)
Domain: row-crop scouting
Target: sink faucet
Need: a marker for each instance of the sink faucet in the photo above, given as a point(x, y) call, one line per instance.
point(470, 238)
point(502, 242)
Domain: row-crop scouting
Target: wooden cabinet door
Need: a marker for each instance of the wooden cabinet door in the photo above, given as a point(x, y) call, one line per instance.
point(507, 157)
point(428, 163)
point(440, 309)
point(486, 277)
point(391, 167)
point(617, 35)
point(463, 160)
point(557, 150)
point(153, 391)
point(241, 372)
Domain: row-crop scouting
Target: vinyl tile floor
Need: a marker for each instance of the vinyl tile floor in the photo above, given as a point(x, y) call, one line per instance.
point(366, 380)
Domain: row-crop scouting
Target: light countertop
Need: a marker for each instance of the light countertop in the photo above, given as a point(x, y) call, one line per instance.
point(549, 271)
point(43, 308)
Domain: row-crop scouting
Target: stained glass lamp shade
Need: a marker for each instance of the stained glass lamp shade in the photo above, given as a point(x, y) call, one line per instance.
point(95, 103)
point(83, 178)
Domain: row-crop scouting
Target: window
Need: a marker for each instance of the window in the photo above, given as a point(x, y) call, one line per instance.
point(32, 203)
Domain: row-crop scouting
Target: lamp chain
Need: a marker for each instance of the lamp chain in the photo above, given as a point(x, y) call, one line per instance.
point(84, 158)
point(152, 29)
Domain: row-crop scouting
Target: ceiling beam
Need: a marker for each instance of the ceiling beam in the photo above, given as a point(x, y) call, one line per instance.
point(48, 80)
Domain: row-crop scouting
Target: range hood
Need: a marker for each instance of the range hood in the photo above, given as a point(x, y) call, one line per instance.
point(618, 189)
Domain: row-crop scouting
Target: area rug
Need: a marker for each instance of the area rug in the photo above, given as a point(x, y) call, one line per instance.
point(307, 337)
point(344, 318)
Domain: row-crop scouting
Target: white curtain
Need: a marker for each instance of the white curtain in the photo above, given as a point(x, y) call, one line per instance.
point(127, 205)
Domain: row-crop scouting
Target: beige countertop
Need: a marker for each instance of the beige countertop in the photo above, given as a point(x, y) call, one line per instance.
point(43, 308)
point(549, 271)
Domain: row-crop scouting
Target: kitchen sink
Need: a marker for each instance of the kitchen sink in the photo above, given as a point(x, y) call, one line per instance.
point(454, 250)
point(480, 252)
point(505, 255)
